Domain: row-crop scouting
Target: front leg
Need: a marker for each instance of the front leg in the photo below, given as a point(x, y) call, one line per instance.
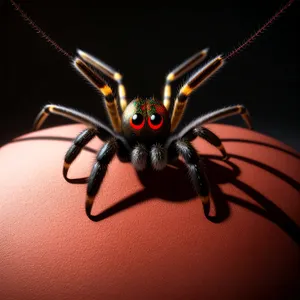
point(210, 118)
point(190, 86)
point(208, 136)
point(78, 144)
point(196, 172)
point(103, 159)
point(72, 114)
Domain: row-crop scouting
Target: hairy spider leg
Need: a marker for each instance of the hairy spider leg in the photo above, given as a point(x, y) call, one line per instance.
point(196, 172)
point(109, 71)
point(190, 86)
point(104, 157)
point(188, 131)
point(69, 113)
point(78, 144)
point(225, 113)
point(105, 90)
point(209, 136)
point(179, 71)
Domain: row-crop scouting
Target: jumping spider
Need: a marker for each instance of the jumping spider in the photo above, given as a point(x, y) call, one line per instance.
point(144, 133)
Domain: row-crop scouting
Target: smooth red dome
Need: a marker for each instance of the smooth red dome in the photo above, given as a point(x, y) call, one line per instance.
point(153, 240)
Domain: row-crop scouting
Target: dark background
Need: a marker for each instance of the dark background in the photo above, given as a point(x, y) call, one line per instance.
point(144, 43)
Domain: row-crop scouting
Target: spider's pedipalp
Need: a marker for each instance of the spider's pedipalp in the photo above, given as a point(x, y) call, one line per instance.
point(139, 157)
point(158, 155)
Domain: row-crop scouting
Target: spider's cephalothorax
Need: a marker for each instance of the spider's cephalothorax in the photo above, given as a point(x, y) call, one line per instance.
point(146, 127)
point(145, 121)
point(145, 133)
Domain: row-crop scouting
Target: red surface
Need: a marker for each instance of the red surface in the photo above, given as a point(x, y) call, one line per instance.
point(153, 241)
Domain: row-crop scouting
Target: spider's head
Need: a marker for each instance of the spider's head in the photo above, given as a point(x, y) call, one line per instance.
point(145, 121)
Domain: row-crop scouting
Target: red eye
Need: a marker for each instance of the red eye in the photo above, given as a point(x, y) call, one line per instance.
point(155, 121)
point(137, 121)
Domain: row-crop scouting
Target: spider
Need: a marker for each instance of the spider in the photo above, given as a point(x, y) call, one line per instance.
point(144, 133)
point(143, 130)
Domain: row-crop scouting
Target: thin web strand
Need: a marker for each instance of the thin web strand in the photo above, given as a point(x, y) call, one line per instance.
point(251, 39)
point(35, 27)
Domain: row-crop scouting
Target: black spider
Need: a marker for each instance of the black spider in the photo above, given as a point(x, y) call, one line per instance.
point(144, 133)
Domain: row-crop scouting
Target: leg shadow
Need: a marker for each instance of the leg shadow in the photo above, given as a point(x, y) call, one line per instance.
point(172, 184)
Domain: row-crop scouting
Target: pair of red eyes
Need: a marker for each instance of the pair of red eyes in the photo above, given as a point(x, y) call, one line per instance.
point(137, 121)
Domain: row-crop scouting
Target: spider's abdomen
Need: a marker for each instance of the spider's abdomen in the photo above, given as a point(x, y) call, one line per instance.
point(145, 122)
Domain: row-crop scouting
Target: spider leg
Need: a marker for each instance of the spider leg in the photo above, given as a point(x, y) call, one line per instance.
point(212, 117)
point(80, 141)
point(190, 86)
point(228, 112)
point(109, 71)
point(105, 90)
point(104, 157)
point(177, 72)
point(209, 136)
point(72, 115)
point(196, 171)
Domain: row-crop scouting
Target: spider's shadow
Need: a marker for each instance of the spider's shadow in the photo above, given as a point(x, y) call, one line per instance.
point(172, 184)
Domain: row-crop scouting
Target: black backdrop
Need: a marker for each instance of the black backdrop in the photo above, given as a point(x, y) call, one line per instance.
point(144, 43)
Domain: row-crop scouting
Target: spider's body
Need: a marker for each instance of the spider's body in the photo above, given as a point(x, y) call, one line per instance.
point(143, 131)
point(146, 127)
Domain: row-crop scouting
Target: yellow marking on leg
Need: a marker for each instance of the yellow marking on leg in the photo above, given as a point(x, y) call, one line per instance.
point(205, 199)
point(122, 95)
point(170, 77)
point(106, 90)
point(112, 109)
point(240, 109)
point(167, 96)
point(247, 120)
point(123, 104)
point(179, 108)
point(223, 151)
point(245, 115)
point(41, 120)
point(66, 166)
point(89, 201)
point(122, 91)
point(167, 103)
point(186, 90)
point(89, 204)
point(117, 76)
point(51, 108)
